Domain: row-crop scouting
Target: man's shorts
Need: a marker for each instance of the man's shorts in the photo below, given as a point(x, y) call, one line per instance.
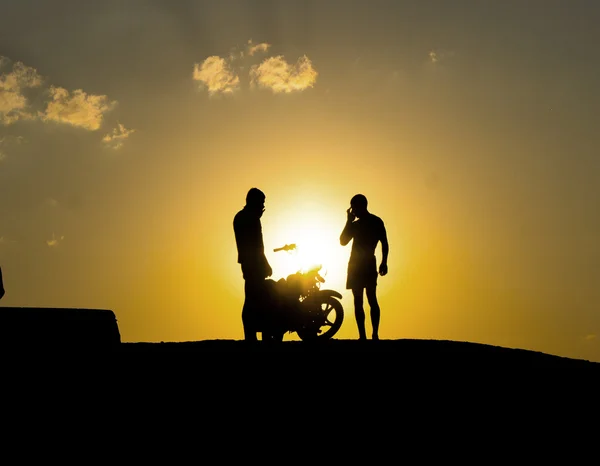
point(362, 273)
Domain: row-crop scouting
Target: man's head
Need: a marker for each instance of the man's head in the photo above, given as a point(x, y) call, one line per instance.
point(358, 203)
point(255, 201)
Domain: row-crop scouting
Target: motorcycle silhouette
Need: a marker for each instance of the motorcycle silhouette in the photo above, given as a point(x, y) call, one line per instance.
point(298, 304)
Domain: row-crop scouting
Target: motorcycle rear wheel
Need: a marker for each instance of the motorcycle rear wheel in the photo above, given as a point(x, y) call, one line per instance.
point(320, 325)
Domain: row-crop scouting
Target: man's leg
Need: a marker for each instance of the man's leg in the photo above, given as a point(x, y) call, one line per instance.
point(375, 311)
point(265, 311)
point(247, 322)
point(249, 311)
point(359, 312)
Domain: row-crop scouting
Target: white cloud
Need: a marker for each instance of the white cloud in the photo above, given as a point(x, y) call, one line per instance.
point(54, 241)
point(215, 74)
point(254, 48)
point(278, 75)
point(219, 75)
point(78, 108)
point(13, 103)
point(12, 106)
point(117, 137)
point(250, 50)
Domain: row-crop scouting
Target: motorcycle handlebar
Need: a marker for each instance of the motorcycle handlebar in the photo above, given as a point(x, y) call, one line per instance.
point(287, 247)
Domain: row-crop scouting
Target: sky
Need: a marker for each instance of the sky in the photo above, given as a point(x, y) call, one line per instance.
point(130, 133)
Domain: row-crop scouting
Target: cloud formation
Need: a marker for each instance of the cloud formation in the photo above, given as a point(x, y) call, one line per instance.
point(77, 109)
point(249, 50)
point(219, 76)
point(254, 48)
point(14, 105)
point(216, 75)
point(116, 138)
point(55, 104)
point(278, 75)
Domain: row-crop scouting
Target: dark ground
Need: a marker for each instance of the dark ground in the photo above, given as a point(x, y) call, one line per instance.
point(388, 379)
point(66, 346)
point(302, 394)
point(76, 332)
point(347, 365)
point(67, 371)
point(429, 353)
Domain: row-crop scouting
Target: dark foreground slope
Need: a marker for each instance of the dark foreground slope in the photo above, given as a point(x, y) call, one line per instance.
point(401, 353)
point(90, 338)
point(70, 367)
point(73, 331)
point(352, 377)
point(407, 374)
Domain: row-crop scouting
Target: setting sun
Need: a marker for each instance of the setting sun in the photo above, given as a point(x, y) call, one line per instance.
point(315, 231)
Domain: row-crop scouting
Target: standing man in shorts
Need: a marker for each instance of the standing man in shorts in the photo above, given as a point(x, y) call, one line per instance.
point(366, 230)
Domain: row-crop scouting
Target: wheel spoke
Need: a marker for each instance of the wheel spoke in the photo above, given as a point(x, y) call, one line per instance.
point(322, 324)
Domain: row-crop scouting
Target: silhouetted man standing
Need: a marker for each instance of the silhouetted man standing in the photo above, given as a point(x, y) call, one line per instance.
point(251, 255)
point(1, 284)
point(367, 230)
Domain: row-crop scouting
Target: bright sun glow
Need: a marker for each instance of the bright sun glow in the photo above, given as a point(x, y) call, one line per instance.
point(316, 236)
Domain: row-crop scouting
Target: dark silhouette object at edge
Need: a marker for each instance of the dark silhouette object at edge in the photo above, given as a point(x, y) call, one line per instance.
point(59, 328)
point(365, 230)
point(1, 284)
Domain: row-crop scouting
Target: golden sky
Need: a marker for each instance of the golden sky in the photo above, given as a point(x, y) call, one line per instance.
point(130, 133)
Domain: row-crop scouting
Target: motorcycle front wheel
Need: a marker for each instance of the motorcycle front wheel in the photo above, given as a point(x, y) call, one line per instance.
point(326, 315)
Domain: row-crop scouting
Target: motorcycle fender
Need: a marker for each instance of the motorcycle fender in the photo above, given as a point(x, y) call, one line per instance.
point(331, 293)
